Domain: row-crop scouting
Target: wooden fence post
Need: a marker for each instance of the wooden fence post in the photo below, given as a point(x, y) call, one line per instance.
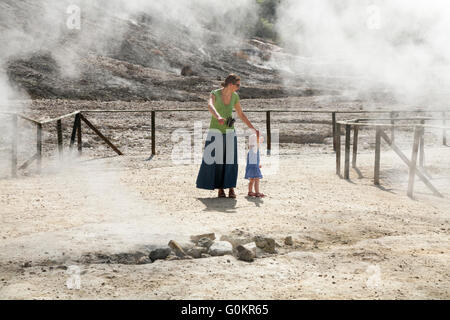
point(348, 130)
point(376, 179)
point(392, 116)
point(338, 149)
point(39, 147)
point(412, 167)
point(269, 133)
point(444, 132)
point(422, 147)
point(333, 125)
point(74, 130)
point(79, 136)
point(60, 138)
point(153, 133)
point(355, 145)
point(14, 146)
point(405, 159)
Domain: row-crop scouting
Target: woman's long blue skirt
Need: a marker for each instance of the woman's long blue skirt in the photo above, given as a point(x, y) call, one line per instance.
point(219, 175)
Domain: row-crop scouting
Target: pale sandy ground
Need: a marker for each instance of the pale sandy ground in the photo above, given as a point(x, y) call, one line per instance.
point(352, 240)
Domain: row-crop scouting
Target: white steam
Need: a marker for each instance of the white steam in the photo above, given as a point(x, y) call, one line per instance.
point(396, 45)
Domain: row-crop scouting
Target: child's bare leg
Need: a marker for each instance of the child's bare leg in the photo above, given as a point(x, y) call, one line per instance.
point(251, 183)
point(257, 189)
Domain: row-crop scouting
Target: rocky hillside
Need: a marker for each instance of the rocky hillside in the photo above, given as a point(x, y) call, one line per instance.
point(139, 58)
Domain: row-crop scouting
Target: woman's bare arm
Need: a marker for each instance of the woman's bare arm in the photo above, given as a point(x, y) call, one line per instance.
point(243, 117)
point(212, 109)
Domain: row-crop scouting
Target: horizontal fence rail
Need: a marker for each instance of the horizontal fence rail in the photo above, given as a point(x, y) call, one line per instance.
point(80, 116)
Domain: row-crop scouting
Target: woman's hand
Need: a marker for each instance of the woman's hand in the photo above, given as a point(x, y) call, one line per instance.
point(221, 120)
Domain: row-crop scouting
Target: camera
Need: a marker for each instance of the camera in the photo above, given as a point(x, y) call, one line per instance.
point(230, 122)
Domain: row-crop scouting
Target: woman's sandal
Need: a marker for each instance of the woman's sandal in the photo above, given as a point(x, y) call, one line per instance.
point(222, 194)
point(260, 195)
point(231, 194)
point(251, 194)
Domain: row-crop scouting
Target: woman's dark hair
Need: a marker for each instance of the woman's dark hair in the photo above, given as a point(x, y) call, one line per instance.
point(231, 79)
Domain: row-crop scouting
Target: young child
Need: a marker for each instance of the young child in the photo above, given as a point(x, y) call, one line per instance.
point(252, 170)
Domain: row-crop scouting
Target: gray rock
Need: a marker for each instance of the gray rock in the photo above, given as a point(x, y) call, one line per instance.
point(288, 241)
point(173, 257)
point(237, 240)
point(196, 252)
point(177, 249)
point(186, 245)
point(196, 238)
point(205, 242)
point(86, 144)
point(144, 260)
point(160, 253)
point(220, 248)
point(246, 253)
point(266, 244)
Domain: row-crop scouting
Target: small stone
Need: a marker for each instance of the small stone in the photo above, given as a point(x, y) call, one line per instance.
point(160, 253)
point(172, 258)
point(144, 260)
point(266, 244)
point(196, 252)
point(26, 265)
point(237, 238)
point(288, 241)
point(221, 248)
point(176, 248)
point(187, 71)
point(186, 245)
point(205, 242)
point(245, 254)
point(211, 236)
point(205, 255)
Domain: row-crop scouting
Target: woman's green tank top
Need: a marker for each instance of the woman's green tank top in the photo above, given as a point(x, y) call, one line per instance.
point(225, 111)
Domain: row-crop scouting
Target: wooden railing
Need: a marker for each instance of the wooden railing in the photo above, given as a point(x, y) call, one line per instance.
point(418, 147)
point(80, 116)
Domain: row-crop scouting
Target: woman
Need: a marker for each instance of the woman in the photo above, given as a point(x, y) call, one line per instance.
point(221, 173)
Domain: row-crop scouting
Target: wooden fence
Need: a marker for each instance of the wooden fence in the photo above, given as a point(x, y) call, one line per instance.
point(417, 152)
point(81, 116)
